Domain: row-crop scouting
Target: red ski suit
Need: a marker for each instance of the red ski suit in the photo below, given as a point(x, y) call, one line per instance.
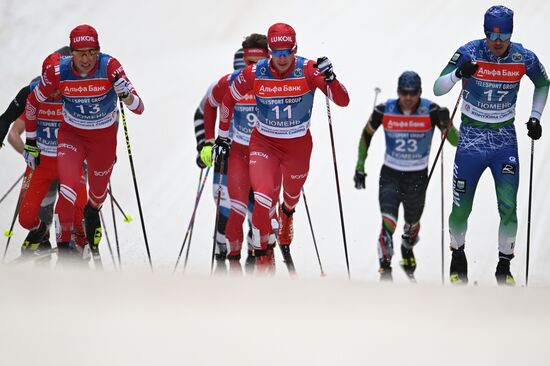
point(238, 181)
point(281, 140)
point(88, 131)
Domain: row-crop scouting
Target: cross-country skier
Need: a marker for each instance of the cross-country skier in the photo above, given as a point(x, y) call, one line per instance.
point(490, 70)
point(408, 122)
point(244, 119)
point(204, 140)
point(284, 87)
point(89, 82)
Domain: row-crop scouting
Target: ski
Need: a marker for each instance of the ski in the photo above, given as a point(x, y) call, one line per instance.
point(98, 263)
point(34, 256)
point(410, 275)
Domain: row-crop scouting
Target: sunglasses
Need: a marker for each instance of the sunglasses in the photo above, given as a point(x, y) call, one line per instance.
point(409, 92)
point(502, 36)
point(81, 53)
point(286, 53)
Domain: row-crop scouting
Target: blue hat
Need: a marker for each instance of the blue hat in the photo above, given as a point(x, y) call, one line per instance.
point(409, 80)
point(238, 60)
point(499, 19)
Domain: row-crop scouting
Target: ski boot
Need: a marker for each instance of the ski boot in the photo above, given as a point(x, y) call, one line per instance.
point(92, 226)
point(67, 257)
point(459, 267)
point(286, 229)
point(409, 262)
point(385, 271)
point(502, 273)
point(34, 240)
point(250, 262)
point(264, 261)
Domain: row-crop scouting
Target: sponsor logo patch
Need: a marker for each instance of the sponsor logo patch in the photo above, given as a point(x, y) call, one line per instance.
point(455, 58)
point(517, 57)
point(508, 169)
point(460, 186)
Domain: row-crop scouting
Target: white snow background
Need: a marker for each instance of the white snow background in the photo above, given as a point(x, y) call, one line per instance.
point(172, 51)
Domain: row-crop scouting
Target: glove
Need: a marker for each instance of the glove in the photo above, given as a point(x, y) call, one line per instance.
point(359, 179)
point(206, 154)
point(31, 153)
point(444, 117)
point(199, 162)
point(122, 88)
point(221, 148)
point(467, 69)
point(325, 67)
point(534, 129)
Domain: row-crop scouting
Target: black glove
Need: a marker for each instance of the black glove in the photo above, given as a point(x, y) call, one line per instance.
point(359, 179)
point(325, 67)
point(31, 153)
point(444, 117)
point(221, 148)
point(467, 69)
point(534, 129)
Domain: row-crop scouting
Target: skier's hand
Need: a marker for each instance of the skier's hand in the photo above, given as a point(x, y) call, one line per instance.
point(534, 129)
point(359, 179)
point(444, 118)
point(221, 148)
point(122, 88)
point(467, 69)
point(324, 66)
point(206, 155)
point(199, 162)
point(31, 153)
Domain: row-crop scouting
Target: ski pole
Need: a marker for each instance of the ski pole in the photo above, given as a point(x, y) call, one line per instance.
point(9, 232)
point(323, 274)
point(193, 226)
point(127, 218)
point(107, 237)
point(135, 182)
point(529, 212)
point(223, 157)
point(337, 184)
point(110, 190)
point(192, 220)
point(442, 222)
point(12, 187)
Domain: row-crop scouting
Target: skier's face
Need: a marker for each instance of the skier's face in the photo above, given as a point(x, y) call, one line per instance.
point(408, 99)
point(282, 59)
point(498, 47)
point(84, 60)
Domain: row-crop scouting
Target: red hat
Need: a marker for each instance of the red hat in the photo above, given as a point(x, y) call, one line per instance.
point(281, 36)
point(84, 37)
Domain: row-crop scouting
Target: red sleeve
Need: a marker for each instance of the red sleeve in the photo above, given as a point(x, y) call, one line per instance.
point(116, 71)
point(47, 86)
point(334, 90)
point(214, 99)
point(242, 84)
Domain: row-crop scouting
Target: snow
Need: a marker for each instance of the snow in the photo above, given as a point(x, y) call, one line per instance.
point(172, 51)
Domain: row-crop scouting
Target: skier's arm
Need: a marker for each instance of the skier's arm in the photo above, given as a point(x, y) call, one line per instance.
point(14, 110)
point(535, 71)
point(116, 75)
point(48, 85)
point(241, 85)
point(375, 120)
point(450, 74)
point(14, 136)
point(333, 89)
point(440, 118)
point(214, 99)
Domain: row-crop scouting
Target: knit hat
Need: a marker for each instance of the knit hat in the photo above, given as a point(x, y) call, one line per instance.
point(84, 37)
point(281, 36)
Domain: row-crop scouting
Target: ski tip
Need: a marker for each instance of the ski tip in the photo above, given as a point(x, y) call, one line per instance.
point(8, 233)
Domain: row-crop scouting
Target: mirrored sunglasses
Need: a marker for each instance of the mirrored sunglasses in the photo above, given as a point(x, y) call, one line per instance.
point(286, 53)
point(502, 36)
point(81, 53)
